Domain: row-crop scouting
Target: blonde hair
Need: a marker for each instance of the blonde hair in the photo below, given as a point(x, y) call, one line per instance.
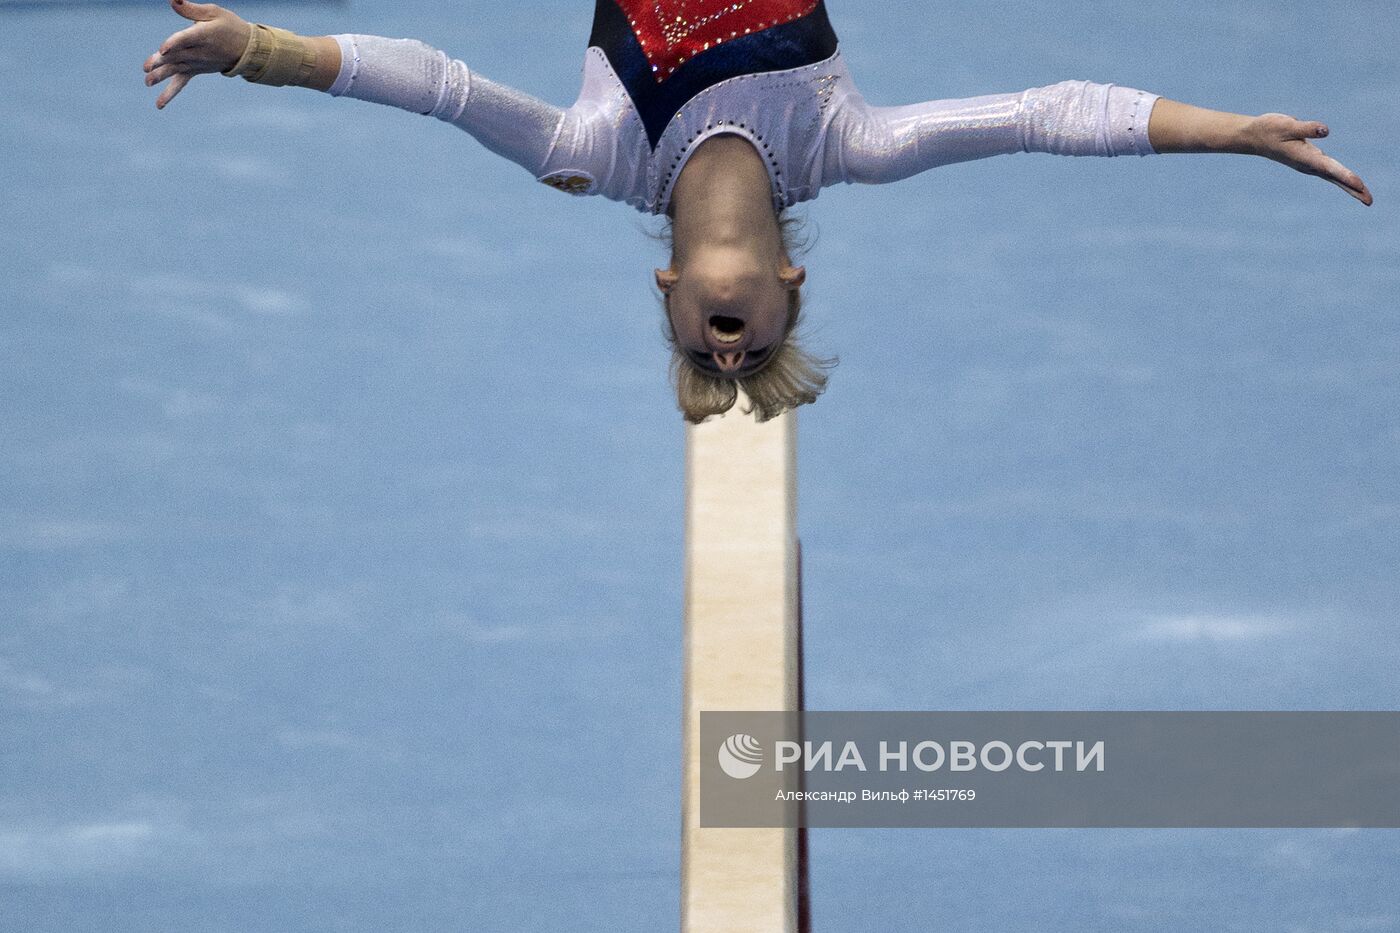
point(790, 377)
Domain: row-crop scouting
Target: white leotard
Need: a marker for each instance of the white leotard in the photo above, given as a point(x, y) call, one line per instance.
point(810, 124)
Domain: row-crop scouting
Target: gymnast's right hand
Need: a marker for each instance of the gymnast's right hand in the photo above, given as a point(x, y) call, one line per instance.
point(214, 43)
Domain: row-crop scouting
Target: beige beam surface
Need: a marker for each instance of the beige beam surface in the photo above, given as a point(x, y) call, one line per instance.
point(741, 653)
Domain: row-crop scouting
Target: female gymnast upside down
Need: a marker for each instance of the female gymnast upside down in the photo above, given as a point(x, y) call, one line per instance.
point(721, 114)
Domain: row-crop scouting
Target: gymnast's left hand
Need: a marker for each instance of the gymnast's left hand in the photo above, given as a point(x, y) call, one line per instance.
point(1289, 141)
point(214, 43)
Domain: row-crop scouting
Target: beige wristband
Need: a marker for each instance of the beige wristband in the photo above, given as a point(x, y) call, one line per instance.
point(276, 57)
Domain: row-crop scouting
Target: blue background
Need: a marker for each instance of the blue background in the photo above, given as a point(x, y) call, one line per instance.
point(341, 484)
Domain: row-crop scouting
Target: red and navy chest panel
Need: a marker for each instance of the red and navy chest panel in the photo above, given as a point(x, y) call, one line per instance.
point(667, 51)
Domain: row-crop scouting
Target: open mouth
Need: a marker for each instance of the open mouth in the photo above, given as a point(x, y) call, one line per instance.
point(726, 329)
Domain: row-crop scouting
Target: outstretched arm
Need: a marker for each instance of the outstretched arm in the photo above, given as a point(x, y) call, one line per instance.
point(403, 73)
point(883, 144)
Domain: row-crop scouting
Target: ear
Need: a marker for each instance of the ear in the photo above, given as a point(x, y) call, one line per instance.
point(666, 280)
point(793, 278)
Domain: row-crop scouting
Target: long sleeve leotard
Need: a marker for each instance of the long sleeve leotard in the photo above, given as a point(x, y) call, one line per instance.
point(785, 87)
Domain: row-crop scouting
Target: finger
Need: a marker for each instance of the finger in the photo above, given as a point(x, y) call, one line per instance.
point(1305, 157)
point(176, 85)
point(184, 39)
point(1338, 173)
point(1354, 186)
point(166, 71)
point(156, 61)
point(1363, 195)
point(1311, 129)
point(1314, 161)
point(199, 12)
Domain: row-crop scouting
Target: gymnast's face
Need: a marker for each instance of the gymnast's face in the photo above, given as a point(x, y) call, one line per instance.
point(729, 311)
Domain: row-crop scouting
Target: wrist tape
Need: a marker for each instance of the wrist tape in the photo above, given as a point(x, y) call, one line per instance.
point(276, 57)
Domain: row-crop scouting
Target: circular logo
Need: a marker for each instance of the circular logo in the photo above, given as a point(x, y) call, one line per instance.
point(741, 756)
point(571, 182)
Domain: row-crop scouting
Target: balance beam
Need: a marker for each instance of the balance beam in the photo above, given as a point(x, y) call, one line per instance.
point(742, 652)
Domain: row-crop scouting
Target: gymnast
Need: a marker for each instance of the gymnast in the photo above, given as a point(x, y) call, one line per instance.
point(720, 115)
